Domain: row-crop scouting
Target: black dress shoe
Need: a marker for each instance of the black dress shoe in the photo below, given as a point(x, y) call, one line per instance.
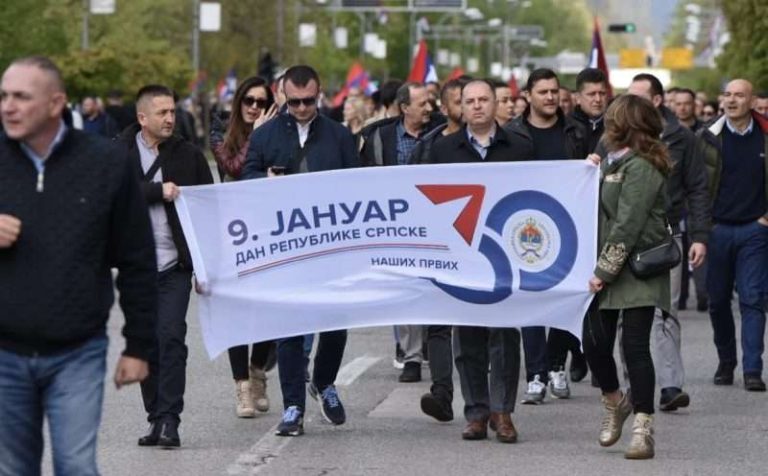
point(673, 398)
point(150, 439)
point(411, 372)
point(169, 434)
point(579, 367)
point(437, 407)
point(753, 383)
point(724, 374)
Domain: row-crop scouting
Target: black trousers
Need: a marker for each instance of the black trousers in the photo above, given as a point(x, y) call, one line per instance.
point(163, 390)
point(440, 360)
point(238, 358)
point(559, 343)
point(599, 336)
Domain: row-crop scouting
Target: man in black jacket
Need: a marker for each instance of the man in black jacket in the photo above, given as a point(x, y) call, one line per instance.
point(686, 185)
point(450, 107)
point(393, 144)
point(543, 132)
point(166, 162)
point(591, 103)
point(482, 140)
point(299, 142)
point(70, 209)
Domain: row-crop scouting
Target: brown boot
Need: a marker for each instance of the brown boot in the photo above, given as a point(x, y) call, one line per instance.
point(258, 380)
point(641, 444)
point(476, 430)
point(501, 423)
point(613, 420)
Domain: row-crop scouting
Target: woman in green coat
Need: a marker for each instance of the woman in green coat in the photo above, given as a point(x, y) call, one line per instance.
point(632, 218)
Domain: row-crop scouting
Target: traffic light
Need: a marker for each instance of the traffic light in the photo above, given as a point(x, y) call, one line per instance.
point(622, 28)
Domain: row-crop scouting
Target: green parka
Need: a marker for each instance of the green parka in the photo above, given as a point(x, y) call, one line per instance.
point(632, 218)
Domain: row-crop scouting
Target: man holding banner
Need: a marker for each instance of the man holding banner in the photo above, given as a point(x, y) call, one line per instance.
point(298, 142)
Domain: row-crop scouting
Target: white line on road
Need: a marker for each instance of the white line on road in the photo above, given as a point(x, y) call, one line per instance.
point(350, 372)
point(269, 446)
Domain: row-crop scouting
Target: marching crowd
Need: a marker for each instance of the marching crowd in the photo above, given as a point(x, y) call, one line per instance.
point(84, 192)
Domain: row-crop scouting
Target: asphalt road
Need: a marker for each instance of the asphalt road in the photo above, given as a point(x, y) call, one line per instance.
point(724, 431)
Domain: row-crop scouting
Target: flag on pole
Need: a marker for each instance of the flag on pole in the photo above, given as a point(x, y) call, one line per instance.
point(513, 87)
point(597, 56)
point(226, 87)
point(357, 77)
point(423, 70)
point(457, 72)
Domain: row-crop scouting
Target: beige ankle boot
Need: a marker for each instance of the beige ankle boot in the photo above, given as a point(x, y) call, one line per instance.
point(244, 400)
point(613, 420)
point(641, 444)
point(259, 388)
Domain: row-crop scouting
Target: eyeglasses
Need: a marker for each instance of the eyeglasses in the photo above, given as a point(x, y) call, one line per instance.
point(260, 103)
point(295, 102)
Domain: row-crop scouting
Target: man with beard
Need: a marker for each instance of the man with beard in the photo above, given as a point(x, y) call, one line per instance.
point(543, 132)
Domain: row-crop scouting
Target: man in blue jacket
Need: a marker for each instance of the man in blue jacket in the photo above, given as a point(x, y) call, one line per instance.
point(299, 142)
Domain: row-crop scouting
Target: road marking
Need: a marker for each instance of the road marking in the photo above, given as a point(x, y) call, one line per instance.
point(350, 372)
point(260, 454)
point(269, 446)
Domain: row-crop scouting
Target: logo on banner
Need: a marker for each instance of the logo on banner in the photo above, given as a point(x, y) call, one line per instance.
point(531, 241)
point(536, 229)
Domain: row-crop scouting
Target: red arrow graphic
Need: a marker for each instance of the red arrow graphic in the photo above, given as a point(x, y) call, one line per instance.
point(466, 222)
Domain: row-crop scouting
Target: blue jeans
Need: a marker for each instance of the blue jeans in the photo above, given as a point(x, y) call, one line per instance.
point(68, 390)
point(291, 364)
point(738, 254)
point(535, 349)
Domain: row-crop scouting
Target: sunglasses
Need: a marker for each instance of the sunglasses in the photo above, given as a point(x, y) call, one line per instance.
point(295, 102)
point(260, 103)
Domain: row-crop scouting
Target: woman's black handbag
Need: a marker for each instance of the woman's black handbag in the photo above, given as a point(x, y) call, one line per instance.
point(657, 260)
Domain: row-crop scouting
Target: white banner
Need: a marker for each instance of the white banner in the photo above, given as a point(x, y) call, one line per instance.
point(496, 244)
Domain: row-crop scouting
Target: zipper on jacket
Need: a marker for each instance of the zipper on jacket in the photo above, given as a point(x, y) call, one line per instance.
point(40, 179)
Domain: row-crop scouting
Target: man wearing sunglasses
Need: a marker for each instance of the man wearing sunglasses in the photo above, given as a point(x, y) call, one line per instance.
point(298, 142)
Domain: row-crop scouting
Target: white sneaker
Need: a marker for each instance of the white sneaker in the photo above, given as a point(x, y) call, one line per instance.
point(558, 384)
point(536, 392)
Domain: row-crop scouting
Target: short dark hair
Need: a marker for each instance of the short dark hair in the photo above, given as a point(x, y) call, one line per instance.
point(451, 84)
point(497, 83)
point(686, 91)
point(488, 83)
point(403, 96)
point(47, 66)
point(151, 91)
point(388, 92)
point(674, 89)
point(657, 89)
point(590, 75)
point(540, 75)
point(301, 75)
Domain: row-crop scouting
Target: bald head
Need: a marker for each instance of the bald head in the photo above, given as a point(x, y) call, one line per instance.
point(738, 99)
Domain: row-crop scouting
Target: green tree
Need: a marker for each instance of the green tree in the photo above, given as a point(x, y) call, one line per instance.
point(746, 52)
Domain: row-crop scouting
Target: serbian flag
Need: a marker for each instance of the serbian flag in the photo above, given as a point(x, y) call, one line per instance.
point(227, 86)
point(357, 77)
point(423, 70)
point(597, 56)
point(457, 72)
point(513, 87)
